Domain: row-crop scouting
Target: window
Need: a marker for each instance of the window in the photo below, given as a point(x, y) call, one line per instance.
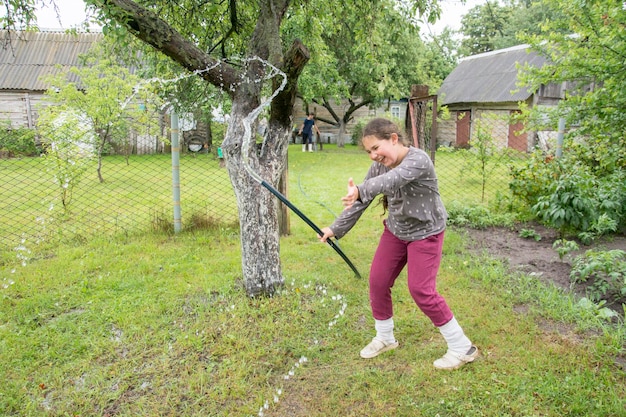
point(395, 111)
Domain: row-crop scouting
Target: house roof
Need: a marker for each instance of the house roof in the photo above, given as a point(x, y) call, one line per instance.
point(26, 56)
point(489, 78)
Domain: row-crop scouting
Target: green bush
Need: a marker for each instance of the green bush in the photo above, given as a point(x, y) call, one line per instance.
point(218, 131)
point(17, 142)
point(572, 196)
point(357, 132)
point(531, 179)
point(607, 272)
point(570, 204)
point(583, 203)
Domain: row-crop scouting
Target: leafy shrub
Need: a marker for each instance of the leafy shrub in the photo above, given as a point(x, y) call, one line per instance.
point(599, 153)
point(218, 131)
point(533, 179)
point(357, 131)
point(571, 204)
point(571, 196)
point(17, 142)
point(607, 272)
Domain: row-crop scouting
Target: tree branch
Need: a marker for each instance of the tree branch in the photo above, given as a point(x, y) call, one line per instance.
point(148, 27)
point(295, 60)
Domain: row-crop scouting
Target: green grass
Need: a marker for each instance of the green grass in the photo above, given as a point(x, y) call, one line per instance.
point(457, 182)
point(159, 325)
point(136, 196)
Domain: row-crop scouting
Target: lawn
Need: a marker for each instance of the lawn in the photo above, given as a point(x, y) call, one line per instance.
point(154, 324)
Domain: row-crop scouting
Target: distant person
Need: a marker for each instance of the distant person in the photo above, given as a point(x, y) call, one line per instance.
point(306, 130)
point(412, 236)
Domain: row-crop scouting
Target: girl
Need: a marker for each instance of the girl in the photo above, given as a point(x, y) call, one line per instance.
point(412, 236)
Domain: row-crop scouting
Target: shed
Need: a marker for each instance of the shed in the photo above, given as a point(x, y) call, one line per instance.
point(27, 56)
point(482, 93)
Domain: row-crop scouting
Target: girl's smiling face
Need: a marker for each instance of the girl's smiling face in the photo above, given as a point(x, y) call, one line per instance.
point(389, 152)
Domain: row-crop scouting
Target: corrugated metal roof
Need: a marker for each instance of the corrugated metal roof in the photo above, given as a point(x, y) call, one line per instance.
point(26, 56)
point(489, 78)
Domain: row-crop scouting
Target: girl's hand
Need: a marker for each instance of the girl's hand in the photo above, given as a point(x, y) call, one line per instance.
point(328, 233)
point(353, 195)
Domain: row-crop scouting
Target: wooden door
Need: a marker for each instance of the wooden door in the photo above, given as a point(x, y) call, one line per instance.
point(463, 124)
point(517, 140)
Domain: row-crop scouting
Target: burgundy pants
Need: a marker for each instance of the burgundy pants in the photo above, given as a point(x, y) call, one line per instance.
point(422, 258)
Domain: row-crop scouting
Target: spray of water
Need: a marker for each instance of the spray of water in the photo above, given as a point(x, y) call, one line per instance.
point(321, 291)
point(250, 118)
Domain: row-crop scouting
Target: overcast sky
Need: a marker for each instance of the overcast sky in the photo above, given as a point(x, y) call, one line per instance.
point(451, 13)
point(72, 14)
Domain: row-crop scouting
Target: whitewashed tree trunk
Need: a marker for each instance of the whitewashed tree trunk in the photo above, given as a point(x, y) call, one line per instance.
point(258, 210)
point(341, 135)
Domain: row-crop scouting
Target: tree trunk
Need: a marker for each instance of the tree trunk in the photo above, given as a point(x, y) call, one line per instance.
point(209, 132)
point(340, 136)
point(258, 213)
point(284, 227)
point(101, 144)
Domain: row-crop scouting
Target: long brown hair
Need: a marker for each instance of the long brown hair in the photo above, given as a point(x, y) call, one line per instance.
point(382, 129)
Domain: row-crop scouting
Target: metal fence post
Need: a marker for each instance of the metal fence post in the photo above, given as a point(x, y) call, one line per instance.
point(559, 138)
point(176, 171)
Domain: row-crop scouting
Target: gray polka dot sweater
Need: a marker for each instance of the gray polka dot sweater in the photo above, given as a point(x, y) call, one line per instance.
point(415, 207)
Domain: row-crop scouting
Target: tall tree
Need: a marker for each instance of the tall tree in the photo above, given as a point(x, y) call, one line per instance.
point(482, 25)
point(204, 37)
point(586, 49)
point(497, 25)
point(370, 52)
point(242, 81)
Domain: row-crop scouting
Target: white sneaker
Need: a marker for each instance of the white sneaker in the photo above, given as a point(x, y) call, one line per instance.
point(376, 347)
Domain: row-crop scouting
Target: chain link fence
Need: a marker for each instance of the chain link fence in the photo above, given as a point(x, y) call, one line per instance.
point(479, 173)
point(473, 150)
point(66, 192)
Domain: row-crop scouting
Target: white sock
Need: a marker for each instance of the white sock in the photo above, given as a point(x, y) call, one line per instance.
point(384, 330)
point(454, 336)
